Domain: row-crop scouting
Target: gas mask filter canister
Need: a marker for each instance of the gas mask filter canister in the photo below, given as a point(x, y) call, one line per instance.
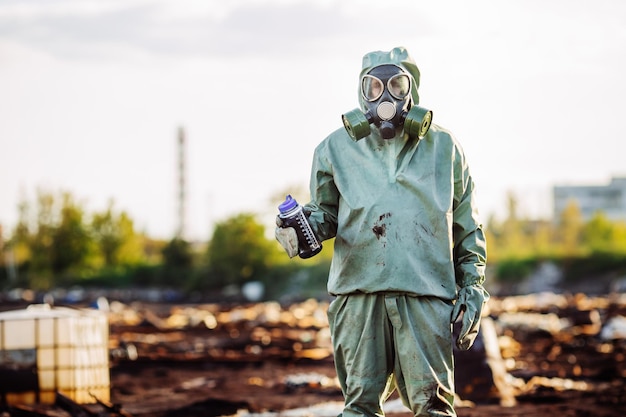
point(386, 93)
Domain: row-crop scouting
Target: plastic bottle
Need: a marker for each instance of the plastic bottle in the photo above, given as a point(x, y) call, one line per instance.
point(292, 216)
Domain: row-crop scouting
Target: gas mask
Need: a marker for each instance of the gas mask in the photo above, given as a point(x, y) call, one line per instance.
point(386, 94)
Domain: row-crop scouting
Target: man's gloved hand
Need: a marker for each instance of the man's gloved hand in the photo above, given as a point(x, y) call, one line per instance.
point(471, 302)
point(287, 237)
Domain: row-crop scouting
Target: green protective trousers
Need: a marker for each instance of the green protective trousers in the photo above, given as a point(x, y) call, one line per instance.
point(388, 341)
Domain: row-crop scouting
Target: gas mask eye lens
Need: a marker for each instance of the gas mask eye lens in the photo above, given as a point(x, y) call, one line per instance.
point(399, 86)
point(372, 88)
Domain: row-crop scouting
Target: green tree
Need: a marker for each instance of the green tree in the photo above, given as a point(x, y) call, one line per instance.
point(177, 254)
point(542, 238)
point(570, 230)
point(52, 240)
point(20, 240)
point(507, 238)
point(239, 251)
point(600, 234)
point(71, 241)
point(41, 239)
point(597, 233)
point(619, 237)
point(116, 239)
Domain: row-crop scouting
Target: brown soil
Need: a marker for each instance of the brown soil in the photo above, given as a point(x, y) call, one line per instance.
point(266, 360)
point(223, 390)
point(246, 373)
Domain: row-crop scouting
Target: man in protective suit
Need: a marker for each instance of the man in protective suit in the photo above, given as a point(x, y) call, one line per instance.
point(409, 257)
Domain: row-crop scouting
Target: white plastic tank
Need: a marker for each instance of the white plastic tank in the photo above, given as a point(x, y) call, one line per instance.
point(47, 349)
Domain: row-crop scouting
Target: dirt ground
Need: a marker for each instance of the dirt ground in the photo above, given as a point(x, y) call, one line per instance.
point(273, 360)
point(172, 390)
point(258, 369)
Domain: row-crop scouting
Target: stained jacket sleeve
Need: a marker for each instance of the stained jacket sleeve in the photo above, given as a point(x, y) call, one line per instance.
point(324, 204)
point(470, 248)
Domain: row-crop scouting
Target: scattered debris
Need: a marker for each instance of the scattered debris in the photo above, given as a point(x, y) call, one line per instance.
point(64, 406)
point(615, 328)
point(266, 359)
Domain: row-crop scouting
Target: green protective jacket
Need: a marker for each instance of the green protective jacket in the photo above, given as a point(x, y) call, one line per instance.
point(402, 211)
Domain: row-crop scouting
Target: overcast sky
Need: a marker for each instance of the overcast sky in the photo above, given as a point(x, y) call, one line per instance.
point(92, 93)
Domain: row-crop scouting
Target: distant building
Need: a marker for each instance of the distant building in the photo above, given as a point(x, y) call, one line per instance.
point(609, 199)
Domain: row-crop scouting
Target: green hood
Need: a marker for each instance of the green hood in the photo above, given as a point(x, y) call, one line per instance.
point(397, 56)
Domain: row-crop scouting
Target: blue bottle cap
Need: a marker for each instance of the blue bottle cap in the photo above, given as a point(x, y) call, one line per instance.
point(289, 204)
